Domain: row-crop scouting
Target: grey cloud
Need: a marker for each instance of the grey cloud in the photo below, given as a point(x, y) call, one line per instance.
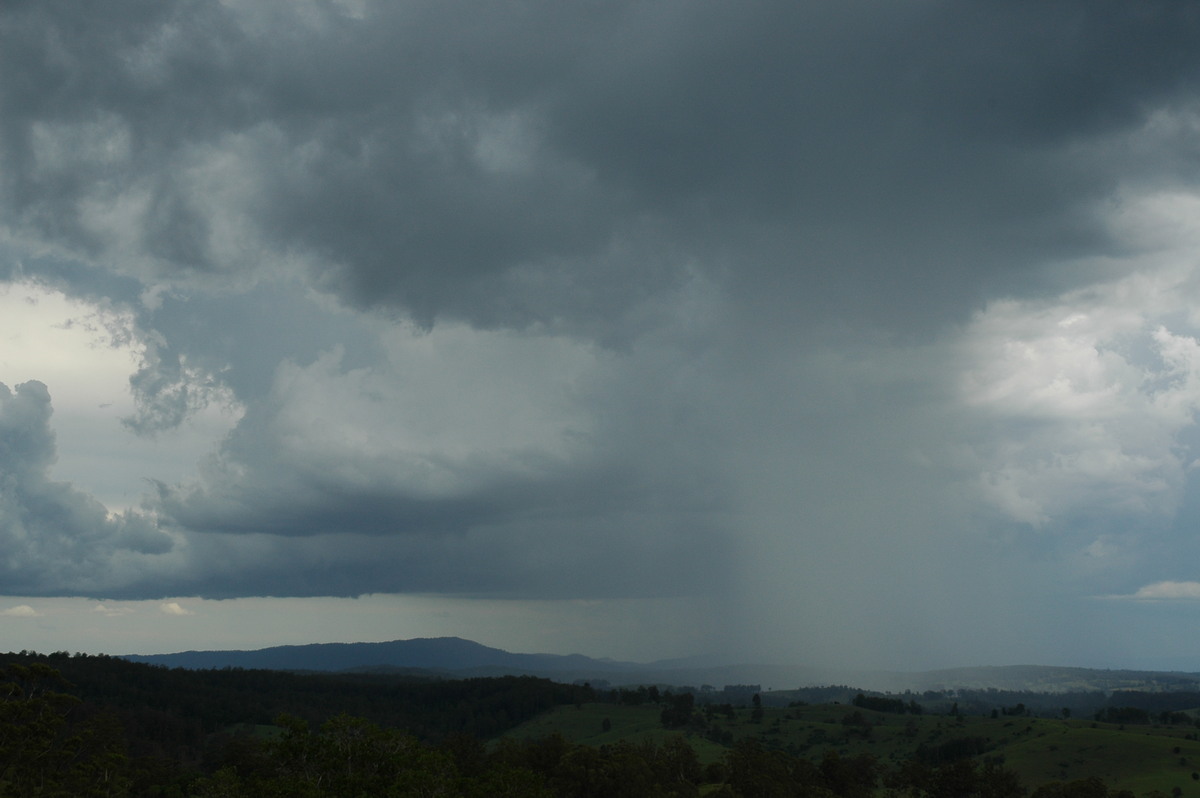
point(280, 320)
point(56, 539)
point(572, 558)
point(482, 163)
point(28, 442)
point(604, 519)
point(552, 300)
point(166, 390)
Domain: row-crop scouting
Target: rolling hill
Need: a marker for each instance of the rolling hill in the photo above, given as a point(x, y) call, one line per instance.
point(456, 657)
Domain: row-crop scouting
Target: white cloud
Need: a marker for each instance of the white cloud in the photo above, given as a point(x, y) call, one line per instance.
point(1084, 397)
point(1163, 591)
point(20, 611)
point(174, 608)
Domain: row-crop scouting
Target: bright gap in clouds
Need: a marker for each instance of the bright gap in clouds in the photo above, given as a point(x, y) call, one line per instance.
point(85, 355)
point(617, 629)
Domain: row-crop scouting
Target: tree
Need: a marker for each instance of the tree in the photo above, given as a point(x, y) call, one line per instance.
point(42, 751)
point(678, 711)
point(756, 714)
point(753, 770)
point(352, 756)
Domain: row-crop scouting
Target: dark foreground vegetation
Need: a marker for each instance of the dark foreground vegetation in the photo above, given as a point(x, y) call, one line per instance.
point(101, 726)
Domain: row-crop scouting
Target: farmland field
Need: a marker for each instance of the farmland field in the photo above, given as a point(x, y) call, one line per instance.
point(1142, 759)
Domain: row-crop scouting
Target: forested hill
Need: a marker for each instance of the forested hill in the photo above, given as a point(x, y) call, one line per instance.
point(209, 700)
point(451, 654)
point(99, 725)
point(85, 725)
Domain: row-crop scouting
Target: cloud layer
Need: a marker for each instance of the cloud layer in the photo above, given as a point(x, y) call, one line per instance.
point(645, 300)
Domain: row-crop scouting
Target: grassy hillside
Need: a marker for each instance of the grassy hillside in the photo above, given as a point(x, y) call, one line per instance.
point(1141, 759)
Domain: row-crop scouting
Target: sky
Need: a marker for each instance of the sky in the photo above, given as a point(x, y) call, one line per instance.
point(850, 334)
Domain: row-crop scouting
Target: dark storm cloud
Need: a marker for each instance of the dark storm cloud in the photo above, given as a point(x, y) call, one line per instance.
point(487, 162)
point(535, 559)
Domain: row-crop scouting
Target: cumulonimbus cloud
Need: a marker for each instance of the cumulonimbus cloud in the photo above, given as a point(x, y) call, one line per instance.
point(642, 299)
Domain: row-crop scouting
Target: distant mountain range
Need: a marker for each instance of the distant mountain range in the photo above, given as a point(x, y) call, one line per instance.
point(453, 657)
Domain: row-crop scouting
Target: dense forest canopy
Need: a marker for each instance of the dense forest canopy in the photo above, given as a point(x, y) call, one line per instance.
point(101, 726)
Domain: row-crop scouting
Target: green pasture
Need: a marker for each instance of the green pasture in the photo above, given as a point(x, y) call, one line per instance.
point(585, 725)
point(1142, 759)
point(1137, 758)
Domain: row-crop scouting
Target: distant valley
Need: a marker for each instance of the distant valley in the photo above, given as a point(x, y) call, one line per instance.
point(453, 657)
